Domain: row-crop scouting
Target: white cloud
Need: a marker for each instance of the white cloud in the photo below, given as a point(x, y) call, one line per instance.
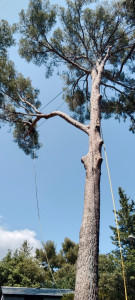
point(14, 239)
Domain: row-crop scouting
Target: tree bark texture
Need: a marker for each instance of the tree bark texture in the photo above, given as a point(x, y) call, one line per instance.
point(86, 287)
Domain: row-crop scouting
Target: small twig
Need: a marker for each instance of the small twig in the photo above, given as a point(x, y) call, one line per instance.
point(112, 87)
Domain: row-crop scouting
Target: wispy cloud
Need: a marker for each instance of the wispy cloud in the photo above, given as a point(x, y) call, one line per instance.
point(14, 239)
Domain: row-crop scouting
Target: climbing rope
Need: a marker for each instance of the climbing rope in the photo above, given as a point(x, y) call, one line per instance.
point(40, 227)
point(38, 211)
point(116, 219)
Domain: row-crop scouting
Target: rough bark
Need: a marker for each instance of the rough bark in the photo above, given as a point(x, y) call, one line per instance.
point(87, 264)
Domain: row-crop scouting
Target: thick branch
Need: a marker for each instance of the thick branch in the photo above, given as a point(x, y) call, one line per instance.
point(61, 115)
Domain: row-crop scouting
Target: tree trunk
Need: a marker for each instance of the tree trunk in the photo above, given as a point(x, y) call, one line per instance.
point(87, 263)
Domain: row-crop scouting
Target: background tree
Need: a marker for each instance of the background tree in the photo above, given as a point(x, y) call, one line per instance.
point(21, 270)
point(62, 264)
point(70, 251)
point(25, 249)
point(110, 270)
point(96, 44)
point(48, 254)
point(126, 222)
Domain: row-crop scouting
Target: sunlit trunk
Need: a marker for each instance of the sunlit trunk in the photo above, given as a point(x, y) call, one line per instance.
point(87, 264)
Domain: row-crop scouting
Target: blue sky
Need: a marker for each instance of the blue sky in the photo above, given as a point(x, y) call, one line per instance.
point(60, 174)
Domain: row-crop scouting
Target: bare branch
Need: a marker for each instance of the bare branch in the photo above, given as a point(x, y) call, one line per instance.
point(112, 87)
point(31, 105)
point(25, 108)
point(61, 115)
point(120, 83)
point(76, 83)
point(17, 112)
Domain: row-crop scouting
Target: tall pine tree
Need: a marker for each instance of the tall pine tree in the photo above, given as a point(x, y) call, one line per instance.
point(96, 46)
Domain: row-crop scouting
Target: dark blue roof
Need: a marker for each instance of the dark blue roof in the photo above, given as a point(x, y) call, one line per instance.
point(33, 291)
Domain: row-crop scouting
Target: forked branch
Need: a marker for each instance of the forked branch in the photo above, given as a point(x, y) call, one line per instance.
point(62, 115)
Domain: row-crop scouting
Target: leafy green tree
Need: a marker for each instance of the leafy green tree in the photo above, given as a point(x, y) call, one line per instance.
point(48, 255)
point(110, 278)
point(62, 264)
point(25, 249)
point(96, 46)
point(65, 276)
point(111, 285)
point(70, 251)
point(126, 222)
point(20, 270)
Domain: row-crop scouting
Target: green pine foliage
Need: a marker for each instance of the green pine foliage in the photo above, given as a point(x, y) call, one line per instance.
point(6, 37)
point(129, 5)
point(83, 36)
point(16, 94)
point(74, 37)
point(21, 270)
